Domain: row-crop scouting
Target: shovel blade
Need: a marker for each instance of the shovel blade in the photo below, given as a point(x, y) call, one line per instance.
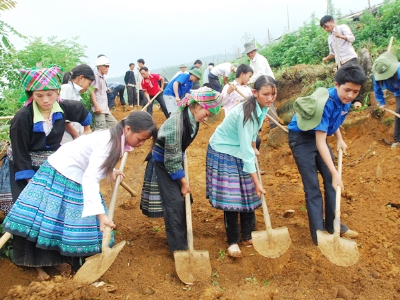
point(271, 246)
point(340, 251)
point(192, 266)
point(96, 265)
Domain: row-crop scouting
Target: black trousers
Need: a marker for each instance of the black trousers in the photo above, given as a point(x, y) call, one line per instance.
point(173, 205)
point(132, 99)
point(247, 225)
point(161, 101)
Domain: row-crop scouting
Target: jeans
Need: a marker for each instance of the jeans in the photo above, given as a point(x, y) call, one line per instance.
point(104, 121)
point(132, 99)
point(119, 90)
point(247, 225)
point(160, 100)
point(397, 122)
point(309, 162)
point(213, 81)
point(170, 103)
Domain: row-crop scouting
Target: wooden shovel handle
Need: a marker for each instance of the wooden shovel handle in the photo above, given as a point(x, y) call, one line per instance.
point(128, 189)
point(151, 101)
point(269, 117)
point(277, 124)
point(4, 239)
point(392, 112)
point(115, 191)
point(188, 208)
point(390, 44)
point(337, 48)
point(336, 222)
point(267, 219)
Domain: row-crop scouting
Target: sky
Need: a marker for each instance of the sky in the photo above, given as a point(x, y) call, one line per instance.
point(164, 32)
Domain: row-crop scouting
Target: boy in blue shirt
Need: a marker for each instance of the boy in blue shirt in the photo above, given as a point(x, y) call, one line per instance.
point(386, 70)
point(178, 87)
point(318, 116)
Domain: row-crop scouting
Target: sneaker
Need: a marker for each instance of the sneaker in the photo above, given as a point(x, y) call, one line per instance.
point(131, 106)
point(350, 234)
point(234, 251)
point(113, 108)
point(123, 107)
point(395, 145)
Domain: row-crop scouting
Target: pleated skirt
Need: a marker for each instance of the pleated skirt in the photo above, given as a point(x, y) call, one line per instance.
point(228, 187)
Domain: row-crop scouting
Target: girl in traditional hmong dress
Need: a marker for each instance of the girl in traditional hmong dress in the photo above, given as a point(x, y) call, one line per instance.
point(164, 184)
point(231, 180)
point(61, 214)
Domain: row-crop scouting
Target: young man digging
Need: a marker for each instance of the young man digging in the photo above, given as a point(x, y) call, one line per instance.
point(318, 116)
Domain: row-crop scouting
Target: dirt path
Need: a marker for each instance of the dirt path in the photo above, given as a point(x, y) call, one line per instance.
point(145, 267)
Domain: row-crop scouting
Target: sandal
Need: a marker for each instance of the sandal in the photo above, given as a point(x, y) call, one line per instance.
point(234, 251)
point(248, 243)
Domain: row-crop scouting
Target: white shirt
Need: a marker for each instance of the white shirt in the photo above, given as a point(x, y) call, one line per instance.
point(205, 75)
point(229, 101)
point(80, 161)
point(222, 70)
point(179, 73)
point(140, 78)
point(70, 91)
point(260, 66)
point(346, 49)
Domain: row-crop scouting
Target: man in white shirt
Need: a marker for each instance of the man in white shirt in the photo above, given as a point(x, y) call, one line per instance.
point(344, 39)
point(258, 63)
point(223, 70)
point(182, 71)
point(260, 66)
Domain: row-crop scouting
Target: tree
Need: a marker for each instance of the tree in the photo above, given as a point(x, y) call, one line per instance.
point(66, 53)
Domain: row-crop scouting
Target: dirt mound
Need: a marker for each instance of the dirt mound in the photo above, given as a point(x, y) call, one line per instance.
point(59, 288)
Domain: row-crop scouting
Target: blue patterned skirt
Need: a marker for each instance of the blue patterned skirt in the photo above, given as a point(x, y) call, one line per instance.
point(48, 212)
point(228, 187)
point(150, 201)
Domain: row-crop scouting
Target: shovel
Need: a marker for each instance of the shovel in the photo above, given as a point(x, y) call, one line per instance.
point(191, 265)
point(268, 116)
point(270, 242)
point(151, 101)
point(96, 265)
point(340, 251)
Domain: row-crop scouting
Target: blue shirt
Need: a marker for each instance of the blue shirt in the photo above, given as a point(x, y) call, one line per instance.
point(332, 117)
point(234, 138)
point(184, 87)
point(388, 84)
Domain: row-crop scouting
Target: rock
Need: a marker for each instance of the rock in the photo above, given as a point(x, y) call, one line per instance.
point(344, 293)
point(288, 213)
point(277, 137)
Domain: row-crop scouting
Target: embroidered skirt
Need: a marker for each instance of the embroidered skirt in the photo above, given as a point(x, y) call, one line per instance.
point(48, 213)
point(150, 201)
point(228, 187)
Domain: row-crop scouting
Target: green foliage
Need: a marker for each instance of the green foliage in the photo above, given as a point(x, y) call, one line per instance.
point(7, 249)
point(309, 44)
point(65, 53)
point(374, 32)
point(388, 121)
point(7, 4)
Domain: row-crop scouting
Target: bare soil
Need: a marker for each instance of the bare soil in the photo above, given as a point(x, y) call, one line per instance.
point(145, 268)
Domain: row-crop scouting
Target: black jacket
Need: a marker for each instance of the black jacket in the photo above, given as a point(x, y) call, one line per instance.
point(129, 78)
point(27, 136)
